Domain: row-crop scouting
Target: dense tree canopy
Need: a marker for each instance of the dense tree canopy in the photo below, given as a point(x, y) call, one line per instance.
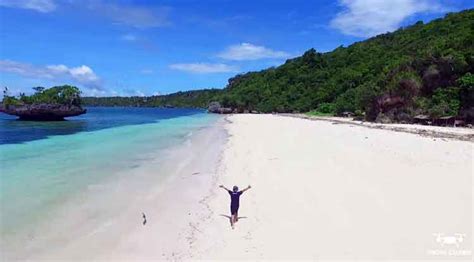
point(64, 95)
point(421, 69)
point(427, 68)
point(195, 99)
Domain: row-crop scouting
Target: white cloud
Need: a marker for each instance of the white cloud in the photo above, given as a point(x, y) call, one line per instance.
point(83, 74)
point(43, 6)
point(139, 41)
point(246, 51)
point(135, 16)
point(57, 68)
point(365, 18)
point(203, 68)
point(114, 93)
point(130, 92)
point(23, 69)
point(129, 37)
point(96, 92)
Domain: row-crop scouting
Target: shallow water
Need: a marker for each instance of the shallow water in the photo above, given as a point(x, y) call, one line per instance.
point(44, 165)
point(97, 118)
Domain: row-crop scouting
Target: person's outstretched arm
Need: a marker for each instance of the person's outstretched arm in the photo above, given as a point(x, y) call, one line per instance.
point(221, 186)
point(249, 187)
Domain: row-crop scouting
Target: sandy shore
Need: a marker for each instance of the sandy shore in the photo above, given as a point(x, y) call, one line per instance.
point(325, 191)
point(319, 191)
point(105, 221)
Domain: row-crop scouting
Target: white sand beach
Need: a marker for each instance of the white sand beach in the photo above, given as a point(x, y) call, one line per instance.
point(325, 191)
point(319, 191)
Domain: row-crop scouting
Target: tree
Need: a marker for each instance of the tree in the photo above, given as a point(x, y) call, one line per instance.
point(65, 95)
point(38, 89)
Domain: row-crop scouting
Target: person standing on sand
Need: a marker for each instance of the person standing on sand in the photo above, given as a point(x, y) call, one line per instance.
point(234, 203)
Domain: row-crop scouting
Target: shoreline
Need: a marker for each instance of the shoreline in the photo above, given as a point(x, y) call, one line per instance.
point(174, 213)
point(105, 221)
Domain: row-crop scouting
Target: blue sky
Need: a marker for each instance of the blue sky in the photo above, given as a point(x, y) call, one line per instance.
point(158, 47)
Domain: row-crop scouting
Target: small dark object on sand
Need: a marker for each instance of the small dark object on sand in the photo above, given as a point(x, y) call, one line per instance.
point(144, 218)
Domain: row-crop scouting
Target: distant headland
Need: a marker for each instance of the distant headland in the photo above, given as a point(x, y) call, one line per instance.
point(52, 104)
point(419, 73)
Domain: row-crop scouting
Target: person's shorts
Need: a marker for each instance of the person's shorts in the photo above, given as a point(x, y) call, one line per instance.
point(234, 209)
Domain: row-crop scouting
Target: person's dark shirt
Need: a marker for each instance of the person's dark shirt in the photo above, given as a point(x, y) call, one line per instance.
point(234, 197)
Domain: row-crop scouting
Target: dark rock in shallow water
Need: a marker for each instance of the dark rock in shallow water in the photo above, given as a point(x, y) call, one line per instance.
point(216, 108)
point(43, 112)
point(225, 110)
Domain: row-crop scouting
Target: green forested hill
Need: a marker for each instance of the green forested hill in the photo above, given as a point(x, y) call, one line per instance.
point(421, 69)
point(196, 99)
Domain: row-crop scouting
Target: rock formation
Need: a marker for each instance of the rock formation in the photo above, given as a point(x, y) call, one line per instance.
point(215, 107)
point(43, 112)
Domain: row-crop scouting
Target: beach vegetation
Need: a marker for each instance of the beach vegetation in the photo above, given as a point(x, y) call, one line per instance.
point(445, 102)
point(326, 108)
point(317, 113)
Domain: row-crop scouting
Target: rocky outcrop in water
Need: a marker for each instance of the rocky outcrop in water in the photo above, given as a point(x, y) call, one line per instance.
point(43, 112)
point(216, 108)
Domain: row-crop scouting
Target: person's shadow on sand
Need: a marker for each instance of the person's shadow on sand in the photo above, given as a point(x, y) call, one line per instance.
point(229, 217)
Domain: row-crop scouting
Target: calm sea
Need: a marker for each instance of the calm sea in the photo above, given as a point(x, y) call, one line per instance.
point(42, 164)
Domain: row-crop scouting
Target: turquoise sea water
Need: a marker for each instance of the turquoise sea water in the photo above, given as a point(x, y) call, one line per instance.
point(42, 165)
